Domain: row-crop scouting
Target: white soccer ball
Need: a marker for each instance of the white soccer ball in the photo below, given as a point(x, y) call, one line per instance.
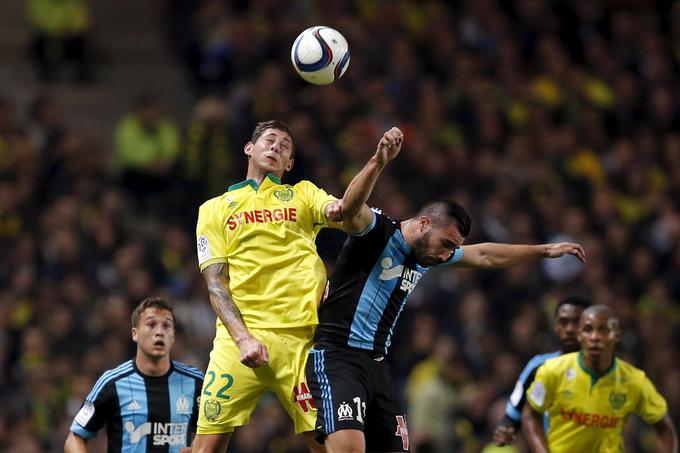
point(320, 55)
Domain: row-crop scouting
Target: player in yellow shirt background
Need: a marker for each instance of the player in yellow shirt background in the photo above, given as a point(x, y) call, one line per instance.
point(265, 279)
point(589, 394)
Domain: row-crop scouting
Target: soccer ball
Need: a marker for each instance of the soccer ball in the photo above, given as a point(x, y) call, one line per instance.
point(320, 55)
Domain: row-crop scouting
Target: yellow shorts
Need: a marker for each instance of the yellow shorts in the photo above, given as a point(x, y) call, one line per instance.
point(231, 390)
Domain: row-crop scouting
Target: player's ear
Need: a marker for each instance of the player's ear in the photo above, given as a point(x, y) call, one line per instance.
point(248, 149)
point(424, 224)
point(289, 165)
point(615, 326)
point(134, 334)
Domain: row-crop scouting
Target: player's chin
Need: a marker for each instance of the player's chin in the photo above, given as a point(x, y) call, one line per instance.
point(158, 350)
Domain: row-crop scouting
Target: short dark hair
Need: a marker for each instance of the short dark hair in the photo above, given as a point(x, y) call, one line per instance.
point(273, 124)
point(444, 210)
point(151, 302)
point(579, 300)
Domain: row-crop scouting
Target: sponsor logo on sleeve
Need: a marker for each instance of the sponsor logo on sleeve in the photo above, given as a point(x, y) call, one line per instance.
point(203, 247)
point(85, 414)
point(570, 374)
point(537, 393)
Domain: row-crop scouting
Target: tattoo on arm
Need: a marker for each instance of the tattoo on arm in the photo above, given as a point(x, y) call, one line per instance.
point(217, 279)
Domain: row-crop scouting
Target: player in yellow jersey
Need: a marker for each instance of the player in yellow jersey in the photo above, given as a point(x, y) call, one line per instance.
point(265, 279)
point(589, 394)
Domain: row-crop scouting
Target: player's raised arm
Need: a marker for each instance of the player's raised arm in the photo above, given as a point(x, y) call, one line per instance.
point(492, 255)
point(532, 427)
point(356, 215)
point(253, 353)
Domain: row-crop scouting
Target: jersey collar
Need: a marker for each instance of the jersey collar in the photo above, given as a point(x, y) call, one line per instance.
point(253, 184)
point(406, 249)
point(594, 375)
point(146, 376)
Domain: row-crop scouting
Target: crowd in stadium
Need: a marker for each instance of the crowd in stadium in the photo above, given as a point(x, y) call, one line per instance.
point(549, 121)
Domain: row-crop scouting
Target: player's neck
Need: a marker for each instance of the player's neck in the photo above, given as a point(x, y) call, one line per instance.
point(407, 230)
point(600, 366)
point(151, 366)
point(258, 175)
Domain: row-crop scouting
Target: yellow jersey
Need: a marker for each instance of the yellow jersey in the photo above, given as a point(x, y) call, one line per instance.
point(266, 235)
point(587, 410)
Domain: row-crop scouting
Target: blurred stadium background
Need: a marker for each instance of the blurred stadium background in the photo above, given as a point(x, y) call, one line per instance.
point(549, 120)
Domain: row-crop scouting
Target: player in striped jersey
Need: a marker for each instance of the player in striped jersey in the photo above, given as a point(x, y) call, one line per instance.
point(378, 268)
point(148, 404)
point(565, 324)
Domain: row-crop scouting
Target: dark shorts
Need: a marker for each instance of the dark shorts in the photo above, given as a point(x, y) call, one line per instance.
point(353, 390)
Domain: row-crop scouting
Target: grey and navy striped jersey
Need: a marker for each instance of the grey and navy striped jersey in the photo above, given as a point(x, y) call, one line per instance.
point(142, 413)
point(373, 278)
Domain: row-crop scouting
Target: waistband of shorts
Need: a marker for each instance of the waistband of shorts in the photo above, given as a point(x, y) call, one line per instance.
point(375, 355)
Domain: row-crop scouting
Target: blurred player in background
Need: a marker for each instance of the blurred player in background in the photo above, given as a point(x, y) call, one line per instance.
point(590, 393)
point(565, 326)
point(149, 403)
point(257, 254)
point(378, 268)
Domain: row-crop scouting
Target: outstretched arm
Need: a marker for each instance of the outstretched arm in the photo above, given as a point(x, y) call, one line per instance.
point(492, 255)
point(532, 427)
point(356, 215)
point(667, 437)
point(253, 353)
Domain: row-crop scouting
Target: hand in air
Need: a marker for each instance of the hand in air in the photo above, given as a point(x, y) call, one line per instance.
point(562, 248)
point(389, 145)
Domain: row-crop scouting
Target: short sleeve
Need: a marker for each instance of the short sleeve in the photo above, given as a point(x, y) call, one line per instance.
point(211, 244)
point(456, 256)
point(317, 200)
point(513, 409)
point(93, 413)
point(651, 406)
point(541, 393)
